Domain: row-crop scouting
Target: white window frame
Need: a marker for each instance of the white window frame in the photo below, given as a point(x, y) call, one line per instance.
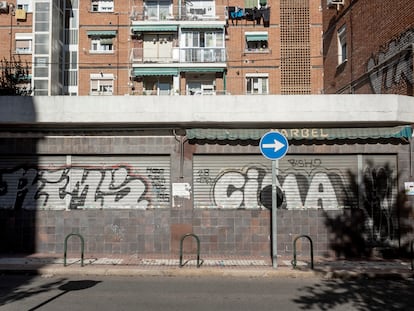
point(201, 8)
point(342, 45)
point(155, 11)
point(102, 6)
point(259, 84)
point(257, 49)
point(24, 5)
point(99, 48)
point(26, 37)
point(104, 84)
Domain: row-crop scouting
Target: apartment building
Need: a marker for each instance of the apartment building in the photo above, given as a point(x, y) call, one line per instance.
point(165, 47)
point(368, 47)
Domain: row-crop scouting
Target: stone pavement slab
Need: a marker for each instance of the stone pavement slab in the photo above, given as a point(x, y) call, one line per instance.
point(134, 265)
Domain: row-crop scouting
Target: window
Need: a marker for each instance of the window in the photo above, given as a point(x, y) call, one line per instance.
point(200, 8)
point(100, 45)
point(23, 43)
point(101, 84)
point(101, 41)
point(158, 10)
point(257, 84)
point(257, 41)
point(342, 52)
point(254, 3)
point(102, 6)
point(24, 5)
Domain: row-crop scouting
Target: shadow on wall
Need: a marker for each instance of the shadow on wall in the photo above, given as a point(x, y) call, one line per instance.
point(377, 222)
point(17, 153)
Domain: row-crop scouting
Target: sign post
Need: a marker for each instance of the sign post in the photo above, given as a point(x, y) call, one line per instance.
point(274, 146)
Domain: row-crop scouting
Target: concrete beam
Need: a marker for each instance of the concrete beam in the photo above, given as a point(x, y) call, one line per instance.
point(233, 111)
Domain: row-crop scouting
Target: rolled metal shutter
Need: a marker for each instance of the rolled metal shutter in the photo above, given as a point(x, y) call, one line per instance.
point(318, 181)
point(120, 182)
point(229, 181)
point(31, 182)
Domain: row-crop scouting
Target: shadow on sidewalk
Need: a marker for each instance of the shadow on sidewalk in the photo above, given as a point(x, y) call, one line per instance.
point(361, 294)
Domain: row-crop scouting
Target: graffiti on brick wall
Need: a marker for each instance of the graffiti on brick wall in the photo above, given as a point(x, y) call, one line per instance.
point(307, 183)
point(82, 187)
point(393, 64)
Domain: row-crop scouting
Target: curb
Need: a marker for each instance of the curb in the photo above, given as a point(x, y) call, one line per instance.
point(128, 271)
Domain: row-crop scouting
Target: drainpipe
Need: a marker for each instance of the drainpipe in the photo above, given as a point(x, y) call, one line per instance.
point(181, 139)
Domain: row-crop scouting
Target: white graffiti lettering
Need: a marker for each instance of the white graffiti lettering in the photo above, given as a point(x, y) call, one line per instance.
point(77, 187)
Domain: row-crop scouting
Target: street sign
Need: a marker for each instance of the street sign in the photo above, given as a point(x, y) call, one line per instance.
point(273, 145)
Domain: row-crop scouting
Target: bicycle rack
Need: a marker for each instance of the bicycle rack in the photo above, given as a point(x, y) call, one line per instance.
point(199, 261)
point(66, 246)
point(294, 250)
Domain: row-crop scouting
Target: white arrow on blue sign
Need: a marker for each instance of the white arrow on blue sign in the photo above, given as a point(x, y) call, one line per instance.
point(273, 145)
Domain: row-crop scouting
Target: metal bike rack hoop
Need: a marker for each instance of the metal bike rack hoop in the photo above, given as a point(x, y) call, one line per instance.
point(294, 250)
point(199, 261)
point(66, 246)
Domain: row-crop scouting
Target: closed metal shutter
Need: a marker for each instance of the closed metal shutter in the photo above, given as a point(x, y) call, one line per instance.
point(120, 182)
point(223, 181)
point(60, 182)
point(244, 181)
point(378, 197)
point(318, 181)
point(31, 182)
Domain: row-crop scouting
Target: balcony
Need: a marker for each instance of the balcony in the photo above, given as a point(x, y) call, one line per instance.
point(177, 13)
point(180, 55)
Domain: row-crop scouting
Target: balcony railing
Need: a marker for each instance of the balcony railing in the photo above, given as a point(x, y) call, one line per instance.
point(181, 55)
point(175, 12)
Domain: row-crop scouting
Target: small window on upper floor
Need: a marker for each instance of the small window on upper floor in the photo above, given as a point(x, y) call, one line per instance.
point(24, 5)
point(257, 83)
point(257, 42)
point(342, 46)
point(23, 43)
point(101, 84)
point(101, 41)
point(102, 5)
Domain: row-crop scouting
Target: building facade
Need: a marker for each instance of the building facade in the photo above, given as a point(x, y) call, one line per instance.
point(135, 177)
point(368, 47)
point(174, 47)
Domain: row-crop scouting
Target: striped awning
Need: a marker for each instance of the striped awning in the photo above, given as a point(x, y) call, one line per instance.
point(256, 36)
point(154, 71)
point(404, 132)
point(202, 69)
point(102, 33)
point(157, 28)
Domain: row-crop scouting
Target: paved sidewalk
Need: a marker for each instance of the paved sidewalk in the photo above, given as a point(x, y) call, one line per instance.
point(134, 265)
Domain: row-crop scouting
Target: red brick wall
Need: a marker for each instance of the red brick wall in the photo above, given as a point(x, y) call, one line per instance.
point(373, 27)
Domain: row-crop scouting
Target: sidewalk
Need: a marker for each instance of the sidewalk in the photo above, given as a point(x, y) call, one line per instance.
point(134, 265)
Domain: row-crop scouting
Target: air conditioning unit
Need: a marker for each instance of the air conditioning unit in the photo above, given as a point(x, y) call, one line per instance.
point(4, 7)
point(332, 3)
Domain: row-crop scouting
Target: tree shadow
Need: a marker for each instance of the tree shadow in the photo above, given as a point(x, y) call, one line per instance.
point(376, 220)
point(359, 294)
point(25, 291)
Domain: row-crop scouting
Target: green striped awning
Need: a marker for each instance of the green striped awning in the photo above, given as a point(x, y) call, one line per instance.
point(204, 26)
point(157, 28)
point(102, 33)
point(303, 133)
point(154, 71)
point(202, 69)
point(257, 37)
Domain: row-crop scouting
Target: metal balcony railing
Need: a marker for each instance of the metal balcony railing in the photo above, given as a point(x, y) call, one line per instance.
point(180, 55)
point(189, 11)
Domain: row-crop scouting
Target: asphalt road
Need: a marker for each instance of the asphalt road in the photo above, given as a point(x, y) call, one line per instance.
point(202, 293)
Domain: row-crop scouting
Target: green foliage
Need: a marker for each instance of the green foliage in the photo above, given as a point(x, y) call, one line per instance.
point(14, 78)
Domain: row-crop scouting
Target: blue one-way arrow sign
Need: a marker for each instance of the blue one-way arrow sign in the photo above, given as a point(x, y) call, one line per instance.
point(273, 145)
